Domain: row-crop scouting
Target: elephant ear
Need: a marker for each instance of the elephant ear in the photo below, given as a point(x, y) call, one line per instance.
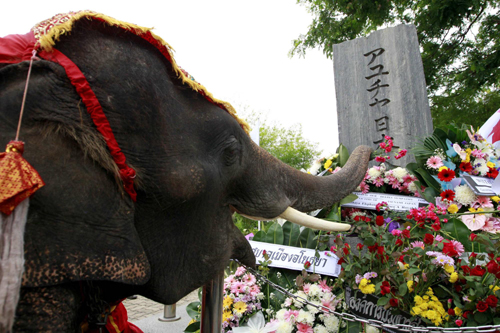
point(80, 225)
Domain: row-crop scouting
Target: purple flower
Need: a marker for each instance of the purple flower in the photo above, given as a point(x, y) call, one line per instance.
point(392, 224)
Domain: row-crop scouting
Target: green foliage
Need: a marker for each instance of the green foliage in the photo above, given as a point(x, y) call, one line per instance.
point(459, 43)
point(285, 143)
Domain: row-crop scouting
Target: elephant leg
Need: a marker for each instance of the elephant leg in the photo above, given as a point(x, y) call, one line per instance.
point(49, 309)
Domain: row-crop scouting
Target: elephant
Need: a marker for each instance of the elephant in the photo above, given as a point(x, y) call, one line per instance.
point(195, 165)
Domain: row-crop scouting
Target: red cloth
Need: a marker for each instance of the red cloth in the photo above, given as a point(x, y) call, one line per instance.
point(16, 48)
point(118, 321)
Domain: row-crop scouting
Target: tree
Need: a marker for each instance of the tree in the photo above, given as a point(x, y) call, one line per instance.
point(286, 144)
point(459, 42)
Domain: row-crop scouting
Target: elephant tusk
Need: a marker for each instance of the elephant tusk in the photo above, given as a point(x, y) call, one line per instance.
point(309, 221)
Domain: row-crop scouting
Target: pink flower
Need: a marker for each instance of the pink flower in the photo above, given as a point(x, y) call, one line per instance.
point(458, 247)
point(254, 290)
point(304, 328)
point(492, 225)
point(438, 238)
point(478, 153)
point(327, 304)
point(474, 222)
point(291, 315)
point(249, 279)
point(306, 287)
point(483, 202)
point(418, 244)
point(237, 287)
point(324, 287)
point(239, 271)
point(434, 162)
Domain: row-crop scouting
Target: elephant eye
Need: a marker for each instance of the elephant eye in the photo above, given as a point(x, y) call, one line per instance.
point(231, 152)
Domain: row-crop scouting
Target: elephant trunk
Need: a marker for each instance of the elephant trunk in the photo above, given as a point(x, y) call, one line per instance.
point(308, 192)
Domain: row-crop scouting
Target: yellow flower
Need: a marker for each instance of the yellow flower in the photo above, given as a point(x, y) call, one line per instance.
point(458, 311)
point(467, 158)
point(453, 277)
point(416, 310)
point(239, 307)
point(424, 306)
point(494, 289)
point(452, 208)
point(449, 268)
point(429, 292)
point(495, 198)
point(442, 168)
point(327, 164)
point(472, 209)
point(491, 165)
point(410, 285)
point(226, 316)
point(418, 300)
point(365, 287)
point(227, 302)
point(432, 315)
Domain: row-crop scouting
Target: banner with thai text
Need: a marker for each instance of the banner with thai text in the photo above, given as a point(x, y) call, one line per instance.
point(396, 202)
point(294, 258)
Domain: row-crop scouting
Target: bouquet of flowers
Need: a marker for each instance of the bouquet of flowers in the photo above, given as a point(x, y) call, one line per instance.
point(242, 296)
point(381, 179)
point(417, 263)
point(294, 316)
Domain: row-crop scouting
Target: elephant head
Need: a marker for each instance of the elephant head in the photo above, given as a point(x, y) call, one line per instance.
point(195, 165)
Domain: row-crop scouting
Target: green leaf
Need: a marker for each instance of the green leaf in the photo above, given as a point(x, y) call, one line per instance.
point(260, 236)
point(274, 234)
point(194, 327)
point(429, 180)
point(383, 301)
point(343, 155)
point(291, 233)
point(403, 289)
point(413, 270)
point(192, 309)
point(306, 239)
point(481, 317)
point(460, 232)
point(350, 198)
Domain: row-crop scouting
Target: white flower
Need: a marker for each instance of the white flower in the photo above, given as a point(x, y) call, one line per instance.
point(305, 317)
point(320, 329)
point(412, 187)
point(399, 173)
point(298, 303)
point(256, 324)
point(374, 173)
point(312, 309)
point(481, 167)
point(328, 297)
point(284, 327)
point(371, 329)
point(313, 170)
point(331, 323)
point(464, 195)
point(280, 315)
point(314, 290)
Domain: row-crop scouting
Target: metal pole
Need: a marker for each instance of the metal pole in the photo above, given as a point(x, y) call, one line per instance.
point(169, 313)
point(211, 305)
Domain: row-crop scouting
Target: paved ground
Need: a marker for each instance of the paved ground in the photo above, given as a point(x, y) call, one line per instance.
point(144, 313)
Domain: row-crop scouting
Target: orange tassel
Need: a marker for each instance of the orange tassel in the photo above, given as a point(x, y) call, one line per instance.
point(18, 179)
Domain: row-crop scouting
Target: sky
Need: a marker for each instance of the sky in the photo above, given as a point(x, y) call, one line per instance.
point(237, 49)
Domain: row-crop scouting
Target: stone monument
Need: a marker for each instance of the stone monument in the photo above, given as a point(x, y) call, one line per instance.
point(380, 90)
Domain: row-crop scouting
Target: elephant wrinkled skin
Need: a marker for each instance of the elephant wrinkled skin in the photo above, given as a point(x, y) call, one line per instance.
point(194, 165)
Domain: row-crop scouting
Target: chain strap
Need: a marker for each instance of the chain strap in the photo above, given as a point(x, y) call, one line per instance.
point(376, 323)
point(99, 309)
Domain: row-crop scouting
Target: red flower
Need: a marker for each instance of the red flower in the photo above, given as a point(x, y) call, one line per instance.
point(406, 233)
point(451, 312)
point(466, 270)
point(459, 322)
point(448, 195)
point(399, 242)
point(385, 288)
point(380, 159)
point(428, 239)
point(380, 250)
point(341, 261)
point(307, 264)
point(493, 267)
point(379, 220)
point(492, 301)
point(473, 255)
point(393, 302)
point(446, 175)
point(472, 237)
point(373, 248)
point(436, 226)
point(466, 314)
point(360, 246)
point(449, 249)
point(493, 173)
point(466, 167)
point(264, 252)
point(481, 306)
point(477, 271)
